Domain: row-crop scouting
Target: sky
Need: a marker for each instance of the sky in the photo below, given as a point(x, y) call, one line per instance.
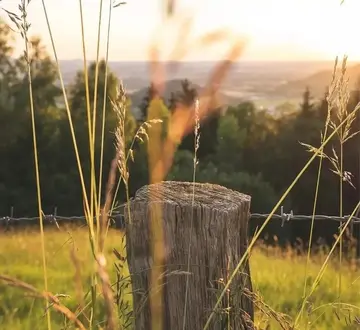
point(271, 29)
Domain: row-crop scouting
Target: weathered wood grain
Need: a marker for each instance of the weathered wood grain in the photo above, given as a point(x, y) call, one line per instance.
point(218, 237)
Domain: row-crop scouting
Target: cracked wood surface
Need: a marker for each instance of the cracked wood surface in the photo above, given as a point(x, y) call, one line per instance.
point(218, 237)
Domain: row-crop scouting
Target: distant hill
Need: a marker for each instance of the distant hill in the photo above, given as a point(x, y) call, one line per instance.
point(171, 86)
point(316, 82)
point(174, 86)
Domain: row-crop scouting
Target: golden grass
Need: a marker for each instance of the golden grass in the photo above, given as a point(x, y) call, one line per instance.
point(21, 258)
point(277, 278)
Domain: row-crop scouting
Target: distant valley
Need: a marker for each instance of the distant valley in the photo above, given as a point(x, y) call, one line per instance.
point(266, 83)
point(317, 82)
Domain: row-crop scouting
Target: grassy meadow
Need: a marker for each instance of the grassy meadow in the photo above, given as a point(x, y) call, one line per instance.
point(277, 275)
point(76, 269)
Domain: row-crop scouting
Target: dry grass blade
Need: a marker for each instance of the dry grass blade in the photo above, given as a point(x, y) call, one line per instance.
point(101, 260)
point(195, 163)
point(120, 108)
point(179, 50)
point(283, 320)
point(107, 292)
point(77, 277)
point(157, 235)
point(161, 153)
point(119, 161)
point(183, 120)
point(53, 300)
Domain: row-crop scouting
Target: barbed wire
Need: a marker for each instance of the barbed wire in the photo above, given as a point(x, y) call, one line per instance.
point(118, 219)
point(306, 217)
point(286, 217)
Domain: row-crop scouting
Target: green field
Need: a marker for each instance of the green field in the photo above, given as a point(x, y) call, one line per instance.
point(277, 276)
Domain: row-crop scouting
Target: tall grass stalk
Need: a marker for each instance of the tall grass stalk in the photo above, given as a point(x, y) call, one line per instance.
point(88, 209)
point(195, 163)
point(323, 137)
point(97, 206)
point(343, 99)
point(73, 136)
point(25, 27)
point(93, 198)
point(157, 234)
point(91, 144)
point(337, 99)
point(141, 135)
point(256, 236)
point(325, 264)
point(120, 107)
point(71, 125)
point(104, 104)
point(120, 163)
point(341, 111)
point(339, 102)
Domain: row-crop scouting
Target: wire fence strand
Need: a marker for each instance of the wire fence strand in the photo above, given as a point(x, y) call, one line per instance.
point(307, 217)
point(118, 219)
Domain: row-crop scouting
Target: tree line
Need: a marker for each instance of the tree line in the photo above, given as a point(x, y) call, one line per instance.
point(244, 148)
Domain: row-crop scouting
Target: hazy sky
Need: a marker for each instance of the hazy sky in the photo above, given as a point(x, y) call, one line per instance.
point(274, 29)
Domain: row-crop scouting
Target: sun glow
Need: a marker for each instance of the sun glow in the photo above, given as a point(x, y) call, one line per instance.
point(274, 29)
point(287, 29)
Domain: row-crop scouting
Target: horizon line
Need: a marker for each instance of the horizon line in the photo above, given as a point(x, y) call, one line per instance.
point(212, 61)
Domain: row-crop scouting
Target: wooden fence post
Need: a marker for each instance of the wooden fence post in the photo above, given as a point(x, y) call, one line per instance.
point(218, 240)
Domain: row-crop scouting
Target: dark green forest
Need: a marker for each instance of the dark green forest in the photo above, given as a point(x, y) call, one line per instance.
point(244, 148)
